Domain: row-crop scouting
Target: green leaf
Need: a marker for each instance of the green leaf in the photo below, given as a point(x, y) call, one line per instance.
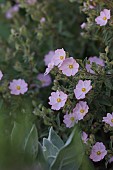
point(108, 83)
point(24, 138)
point(31, 143)
point(42, 163)
point(55, 139)
point(71, 154)
point(4, 29)
point(50, 150)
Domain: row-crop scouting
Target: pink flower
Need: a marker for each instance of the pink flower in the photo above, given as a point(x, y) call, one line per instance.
point(82, 88)
point(49, 68)
point(96, 60)
point(1, 74)
point(45, 80)
point(98, 152)
point(81, 110)
point(31, 2)
point(59, 57)
point(103, 18)
point(57, 100)
point(42, 20)
point(18, 87)
point(108, 119)
point(111, 160)
point(48, 57)
point(83, 25)
point(69, 120)
point(11, 11)
point(69, 67)
point(84, 137)
point(91, 7)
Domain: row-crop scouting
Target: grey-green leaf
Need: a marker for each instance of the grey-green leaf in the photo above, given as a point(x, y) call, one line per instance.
point(71, 155)
point(55, 139)
point(24, 138)
point(50, 150)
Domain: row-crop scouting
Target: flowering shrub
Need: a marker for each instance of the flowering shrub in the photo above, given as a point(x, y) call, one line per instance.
point(56, 70)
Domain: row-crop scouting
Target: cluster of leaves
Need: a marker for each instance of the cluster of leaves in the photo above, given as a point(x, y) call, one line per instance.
point(27, 153)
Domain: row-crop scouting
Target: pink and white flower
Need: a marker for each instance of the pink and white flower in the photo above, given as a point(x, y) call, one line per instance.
point(59, 57)
point(98, 152)
point(69, 120)
point(111, 160)
point(83, 25)
point(96, 60)
point(49, 68)
point(57, 100)
point(42, 20)
point(18, 87)
point(82, 88)
point(84, 137)
point(81, 110)
point(31, 2)
point(103, 18)
point(69, 67)
point(48, 57)
point(108, 119)
point(1, 74)
point(45, 80)
point(11, 11)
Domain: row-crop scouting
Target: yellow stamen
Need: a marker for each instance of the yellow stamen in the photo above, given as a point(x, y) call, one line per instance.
point(18, 87)
point(98, 153)
point(82, 110)
point(83, 89)
point(104, 18)
point(71, 66)
point(61, 57)
point(58, 100)
point(72, 118)
point(112, 120)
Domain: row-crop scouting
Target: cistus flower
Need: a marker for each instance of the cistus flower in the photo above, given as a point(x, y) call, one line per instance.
point(48, 57)
point(69, 67)
point(57, 100)
point(84, 137)
point(49, 68)
point(69, 120)
point(108, 119)
point(12, 11)
point(96, 60)
point(42, 20)
point(82, 88)
point(83, 25)
point(59, 57)
point(18, 87)
point(45, 80)
point(31, 2)
point(103, 18)
point(81, 110)
point(111, 160)
point(98, 152)
point(1, 74)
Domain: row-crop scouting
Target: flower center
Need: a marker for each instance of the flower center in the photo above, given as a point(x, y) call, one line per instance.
point(98, 153)
point(112, 120)
point(72, 119)
point(82, 110)
point(18, 87)
point(58, 100)
point(104, 18)
point(61, 57)
point(83, 89)
point(70, 66)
